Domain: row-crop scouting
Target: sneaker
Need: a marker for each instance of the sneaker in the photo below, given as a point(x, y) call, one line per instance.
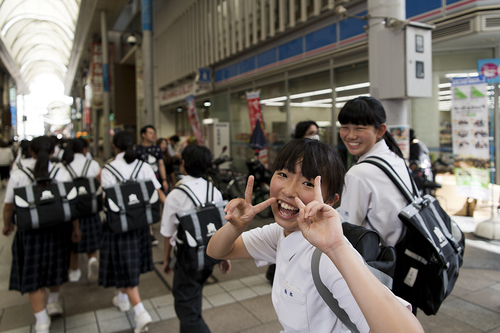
point(54, 309)
point(93, 269)
point(74, 276)
point(42, 327)
point(142, 321)
point(124, 306)
point(154, 241)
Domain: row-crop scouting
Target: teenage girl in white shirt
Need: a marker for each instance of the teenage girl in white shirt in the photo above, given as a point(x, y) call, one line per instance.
point(369, 198)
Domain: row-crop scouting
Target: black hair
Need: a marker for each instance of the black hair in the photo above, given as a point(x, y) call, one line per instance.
point(124, 141)
point(174, 138)
point(25, 148)
point(368, 111)
point(160, 140)
point(145, 128)
point(301, 128)
point(197, 160)
point(73, 146)
point(315, 159)
point(42, 146)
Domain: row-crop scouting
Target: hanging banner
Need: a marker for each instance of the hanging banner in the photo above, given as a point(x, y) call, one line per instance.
point(193, 119)
point(255, 114)
point(470, 136)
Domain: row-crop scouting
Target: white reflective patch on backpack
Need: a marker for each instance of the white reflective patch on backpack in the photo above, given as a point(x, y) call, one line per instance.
point(20, 202)
point(72, 194)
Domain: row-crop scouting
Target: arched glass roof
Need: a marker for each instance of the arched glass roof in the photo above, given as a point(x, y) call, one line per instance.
point(39, 35)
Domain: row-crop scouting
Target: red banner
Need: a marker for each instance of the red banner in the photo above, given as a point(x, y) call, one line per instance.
point(254, 110)
point(193, 119)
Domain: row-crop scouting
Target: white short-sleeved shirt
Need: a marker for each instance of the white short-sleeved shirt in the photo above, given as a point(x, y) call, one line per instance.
point(19, 179)
point(119, 163)
point(368, 192)
point(297, 302)
point(6, 156)
point(79, 162)
point(20, 160)
point(177, 201)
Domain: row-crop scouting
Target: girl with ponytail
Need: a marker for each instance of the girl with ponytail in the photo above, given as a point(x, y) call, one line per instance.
point(91, 226)
point(369, 198)
point(124, 256)
point(40, 257)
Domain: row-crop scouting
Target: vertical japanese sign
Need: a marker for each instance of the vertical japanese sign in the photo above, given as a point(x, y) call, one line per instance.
point(99, 85)
point(193, 118)
point(255, 114)
point(470, 136)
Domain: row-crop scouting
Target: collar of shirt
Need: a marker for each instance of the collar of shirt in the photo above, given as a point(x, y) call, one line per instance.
point(291, 244)
point(377, 149)
point(120, 156)
point(187, 179)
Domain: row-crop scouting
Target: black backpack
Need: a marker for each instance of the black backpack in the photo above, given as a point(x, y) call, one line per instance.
point(130, 204)
point(380, 260)
point(45, 202)
point(431, 252)
point(89, 191)
point(196, 227)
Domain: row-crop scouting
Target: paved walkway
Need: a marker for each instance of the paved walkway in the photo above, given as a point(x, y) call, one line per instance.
point(240, 301)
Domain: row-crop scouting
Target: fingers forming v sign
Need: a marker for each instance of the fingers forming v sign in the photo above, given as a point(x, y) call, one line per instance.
point(239, 212)
point(320, 223)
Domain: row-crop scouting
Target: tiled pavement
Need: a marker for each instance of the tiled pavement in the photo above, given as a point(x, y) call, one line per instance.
point(240, 301)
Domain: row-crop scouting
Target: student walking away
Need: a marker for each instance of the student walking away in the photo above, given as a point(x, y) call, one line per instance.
point(308, 175)
point(168, 160)
point(188, 283)
point(23, 155)
point(124, 256)
point(368, 198)
point(151, 154)
point(40, 257)
point(78, 165)
point(6, 159)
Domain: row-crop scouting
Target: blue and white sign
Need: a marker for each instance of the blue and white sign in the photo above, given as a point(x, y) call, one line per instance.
point(204, 75)
point(490, 68)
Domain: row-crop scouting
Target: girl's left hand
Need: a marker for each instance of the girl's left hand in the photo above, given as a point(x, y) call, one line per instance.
point(8, 228)
point(320, 223)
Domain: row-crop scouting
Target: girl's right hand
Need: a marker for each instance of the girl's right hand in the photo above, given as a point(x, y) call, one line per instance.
point(239, 212)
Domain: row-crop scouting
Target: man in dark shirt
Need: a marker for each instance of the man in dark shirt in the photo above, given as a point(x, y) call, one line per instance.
point(151, 154)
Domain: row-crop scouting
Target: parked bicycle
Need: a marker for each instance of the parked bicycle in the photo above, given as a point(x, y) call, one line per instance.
point(261, 190)
point(229, 183)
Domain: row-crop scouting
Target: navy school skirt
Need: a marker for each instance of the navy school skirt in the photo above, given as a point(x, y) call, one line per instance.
point(91, 227)
point(40, 258)
point(124, 257)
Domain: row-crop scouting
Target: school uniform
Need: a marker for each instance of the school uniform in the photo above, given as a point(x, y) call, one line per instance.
point(297, 302)
point(371, 200)
point(40, 258)
point(124, 256)
point(90, 226)
point(188, 285)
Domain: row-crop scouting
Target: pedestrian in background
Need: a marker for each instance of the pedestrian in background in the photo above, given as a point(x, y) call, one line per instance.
point(6, 159)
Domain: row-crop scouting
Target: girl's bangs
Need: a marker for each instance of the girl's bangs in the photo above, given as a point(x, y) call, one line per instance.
point(356, 112)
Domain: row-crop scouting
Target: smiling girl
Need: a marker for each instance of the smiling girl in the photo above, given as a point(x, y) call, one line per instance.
point(308, 175)
point(369, 198)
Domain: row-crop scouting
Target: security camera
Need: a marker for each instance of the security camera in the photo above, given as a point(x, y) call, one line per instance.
point(132, 40)
point(340, 10)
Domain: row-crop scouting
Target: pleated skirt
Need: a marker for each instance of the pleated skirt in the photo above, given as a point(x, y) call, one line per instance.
point(91, 227)
point(124, 257)
point(40, 258)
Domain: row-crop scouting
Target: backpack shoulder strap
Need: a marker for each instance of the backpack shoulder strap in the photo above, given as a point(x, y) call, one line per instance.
point(19, 165)
point(115, 172)
point(136, 170)
point(327, 296)
point(184, 188)
point(28, 173)
point(53, 172)
point(210, 192)
point(86, 167)
point(70, 170)
point(391, 173)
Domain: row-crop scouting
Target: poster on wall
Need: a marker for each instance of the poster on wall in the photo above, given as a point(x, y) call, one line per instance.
point(401, 133)
point(471, 148)
point(255, 114)
point(194, 120)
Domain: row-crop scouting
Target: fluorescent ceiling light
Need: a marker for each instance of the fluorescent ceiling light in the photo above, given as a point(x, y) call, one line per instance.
point(444, 85)
point(311, 105)
point(353, 86)
point(275, 99)
point(450, 75)
point(274, 104)
point(208, 121)
point(445, 92)
point(311, 93)
point(348, 98)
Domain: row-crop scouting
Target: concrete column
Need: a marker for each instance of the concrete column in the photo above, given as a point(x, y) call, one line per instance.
point(397, 110)
point(105, 96)
point(147, 56)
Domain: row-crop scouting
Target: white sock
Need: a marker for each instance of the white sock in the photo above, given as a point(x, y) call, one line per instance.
point(122, 297)
point(53, 297)
point(41, 317)
point(138, 309)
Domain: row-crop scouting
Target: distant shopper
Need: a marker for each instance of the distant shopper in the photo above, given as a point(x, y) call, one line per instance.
point(23, 155)
point(6, 159)
point(420, 161)
point(125, 256)
point(188, 285)
point(306, 129)
point(40, 257)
